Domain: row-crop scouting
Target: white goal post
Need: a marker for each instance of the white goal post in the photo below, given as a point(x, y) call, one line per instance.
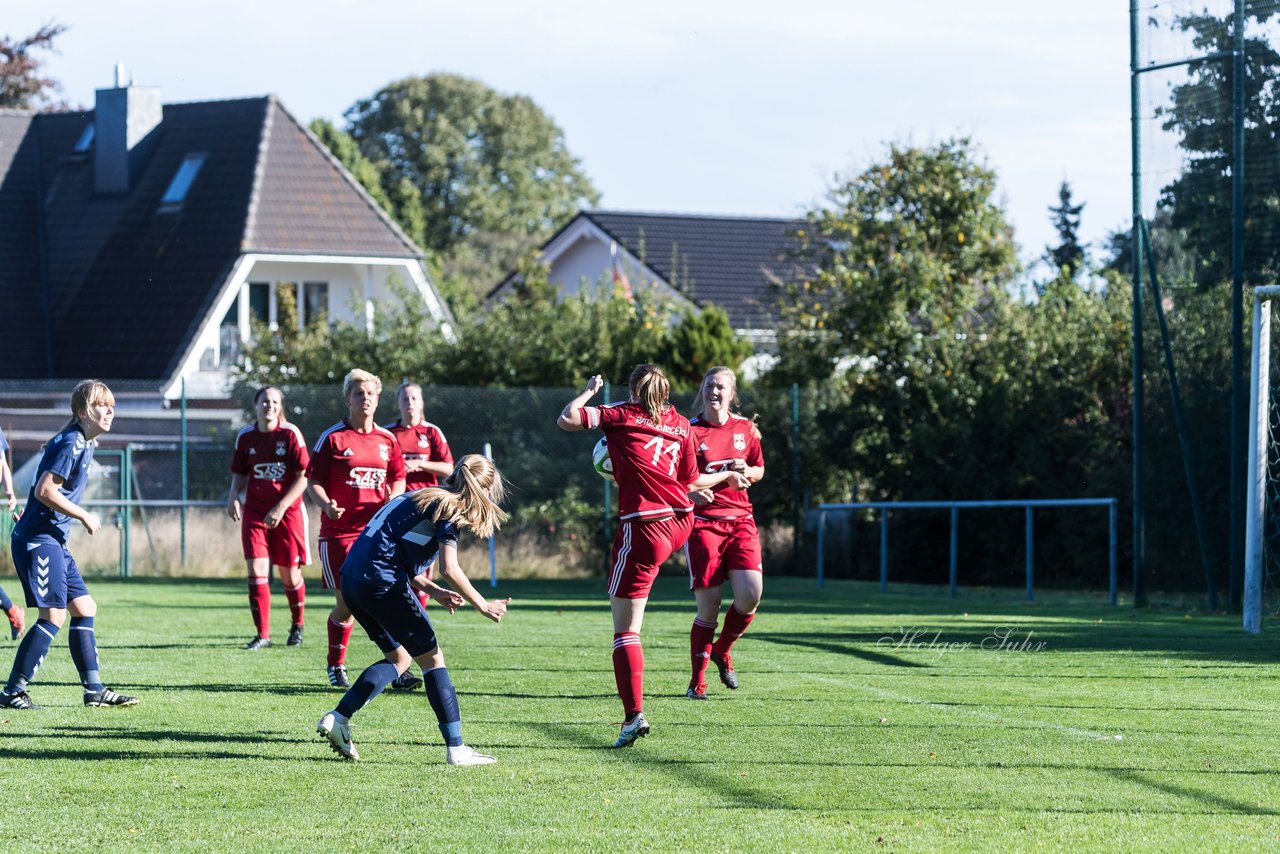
point(1259, 456)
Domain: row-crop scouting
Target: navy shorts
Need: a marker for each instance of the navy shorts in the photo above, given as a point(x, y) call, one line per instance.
point(391, 614)
point(48, 572)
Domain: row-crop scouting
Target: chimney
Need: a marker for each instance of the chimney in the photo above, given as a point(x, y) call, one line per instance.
point(123, 116)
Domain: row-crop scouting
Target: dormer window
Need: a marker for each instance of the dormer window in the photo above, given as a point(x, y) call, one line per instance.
point(86, 139)
point(182, 180)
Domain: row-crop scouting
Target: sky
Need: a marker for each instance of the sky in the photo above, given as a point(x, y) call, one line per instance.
point(689, 106)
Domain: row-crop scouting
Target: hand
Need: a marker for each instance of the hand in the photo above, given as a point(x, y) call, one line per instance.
point(495, 609)
point(739, 481)
point(702, 497)
point(233, 509)
point(450, 600)
point(274, 516)
point(738, 466)
point(13, 502)
point(91, 522)
point(332, 510)
point(595, 384)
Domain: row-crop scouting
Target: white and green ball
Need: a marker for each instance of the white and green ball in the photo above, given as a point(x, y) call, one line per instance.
point(600, 460)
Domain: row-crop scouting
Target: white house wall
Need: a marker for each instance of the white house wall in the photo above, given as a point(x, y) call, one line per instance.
point(356, 289)
point(587, 261)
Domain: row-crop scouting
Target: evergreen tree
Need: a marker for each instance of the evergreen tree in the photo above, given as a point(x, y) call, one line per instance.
point(1069, 253)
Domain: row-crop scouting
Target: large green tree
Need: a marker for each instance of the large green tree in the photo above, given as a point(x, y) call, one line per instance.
point(493, 172)
point(1200, 112)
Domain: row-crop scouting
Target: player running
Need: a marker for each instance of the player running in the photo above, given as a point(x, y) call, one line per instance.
point(725, 542)
point(355, 468)
point(383, 570)
point(266, 468)
point(49, 576)
point(17, 617)
point(653, 455)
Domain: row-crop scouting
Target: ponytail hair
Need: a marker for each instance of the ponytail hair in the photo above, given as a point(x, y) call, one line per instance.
point(470, 496)
point(650, 388)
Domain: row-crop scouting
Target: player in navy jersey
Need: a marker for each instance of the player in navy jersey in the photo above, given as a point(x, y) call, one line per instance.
point(725, 544)
point(17, 617)
point(653, 456)
point(385, 567)
point(49, 576)
point(266, 469)
point(356, 467)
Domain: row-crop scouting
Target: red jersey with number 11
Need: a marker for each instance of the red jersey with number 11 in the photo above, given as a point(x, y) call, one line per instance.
point(652, 463)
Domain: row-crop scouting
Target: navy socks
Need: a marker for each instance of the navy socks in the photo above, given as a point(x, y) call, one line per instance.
point(444, 701)
point(31, 653)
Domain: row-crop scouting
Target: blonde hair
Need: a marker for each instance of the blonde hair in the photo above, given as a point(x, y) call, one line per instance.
point(89, 393)
point(650, 388)
point(469, 496)
point(355, 378)
point(700, 403)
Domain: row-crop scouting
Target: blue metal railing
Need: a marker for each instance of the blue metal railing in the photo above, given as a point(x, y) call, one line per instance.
point(955, 506)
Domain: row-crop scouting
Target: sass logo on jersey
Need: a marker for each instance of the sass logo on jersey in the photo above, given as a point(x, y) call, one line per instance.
point(269, 471)
point(365, 477)
point(739, 441)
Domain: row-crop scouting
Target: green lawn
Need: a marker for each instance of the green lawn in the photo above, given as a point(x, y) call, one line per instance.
point(836, 740)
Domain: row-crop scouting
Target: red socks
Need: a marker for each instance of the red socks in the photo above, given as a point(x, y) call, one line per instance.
point(735, 623)
point(260, 604)
point(338, 637)
point(628, 671)
point(700, 638)
point(297, 597)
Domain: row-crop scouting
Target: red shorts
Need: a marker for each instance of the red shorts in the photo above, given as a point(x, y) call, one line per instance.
point(284, 545)
point(333, 554)
point(639, 548)
point(718, 546)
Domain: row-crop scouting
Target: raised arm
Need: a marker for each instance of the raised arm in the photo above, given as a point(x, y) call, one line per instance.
point(571, 417)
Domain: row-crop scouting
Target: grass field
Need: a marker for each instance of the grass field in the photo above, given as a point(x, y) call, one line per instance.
point(1131, 730)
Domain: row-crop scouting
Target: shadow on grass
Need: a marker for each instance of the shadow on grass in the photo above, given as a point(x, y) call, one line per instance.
point(840, 644)
point(1216, 802)
point(738, 794)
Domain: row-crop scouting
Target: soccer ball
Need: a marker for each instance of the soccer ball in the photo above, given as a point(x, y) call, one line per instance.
point(600, 460)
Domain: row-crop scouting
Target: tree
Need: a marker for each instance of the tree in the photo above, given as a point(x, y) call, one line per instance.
point(1068, 254)
point(485, 165)
point(22, 84)
point(401, 199)
point(700, 341)
point(1200, 111)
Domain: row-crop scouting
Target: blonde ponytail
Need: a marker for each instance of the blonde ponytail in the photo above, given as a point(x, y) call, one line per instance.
point(650, 388)
point(470, 496)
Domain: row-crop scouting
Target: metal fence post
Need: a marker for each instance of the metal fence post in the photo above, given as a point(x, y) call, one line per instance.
point(797, 496)
point(955, 525)
point(822, 529)
point(1111, 543)
point(884, 549)
point(1031, 551)
point(182, 511)
point(126, 493)
point(493, 553)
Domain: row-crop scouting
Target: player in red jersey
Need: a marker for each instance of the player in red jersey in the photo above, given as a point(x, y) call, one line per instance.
point(267, 469)
point(356, 467)
point(725, 543)
point(427, 457)
point(653, 455)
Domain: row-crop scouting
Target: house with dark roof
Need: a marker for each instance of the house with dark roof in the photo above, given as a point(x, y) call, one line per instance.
point(139, 238)
point(732, 262)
